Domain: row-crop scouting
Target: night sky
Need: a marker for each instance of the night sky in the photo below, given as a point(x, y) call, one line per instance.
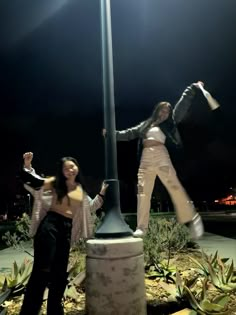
point(51, 85)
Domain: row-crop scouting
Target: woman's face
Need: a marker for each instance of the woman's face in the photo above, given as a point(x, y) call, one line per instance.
point(163, 113)
point(70, 170)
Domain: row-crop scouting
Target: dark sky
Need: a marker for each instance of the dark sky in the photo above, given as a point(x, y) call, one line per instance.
point(51, 84)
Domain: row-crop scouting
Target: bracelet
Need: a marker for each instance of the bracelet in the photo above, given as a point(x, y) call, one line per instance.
point(101, 195)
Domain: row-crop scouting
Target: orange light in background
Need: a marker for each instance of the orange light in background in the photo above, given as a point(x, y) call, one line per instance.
point(229, 201)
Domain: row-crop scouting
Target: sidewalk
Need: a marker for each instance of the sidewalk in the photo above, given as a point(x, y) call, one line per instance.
point(226, 247)
point(210, 243)
point(9, 255)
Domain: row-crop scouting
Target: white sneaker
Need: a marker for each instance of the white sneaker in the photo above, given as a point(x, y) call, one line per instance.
point(138, 233)
point(196, 227)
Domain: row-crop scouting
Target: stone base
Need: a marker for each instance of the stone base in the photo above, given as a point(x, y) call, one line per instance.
point(115, 277)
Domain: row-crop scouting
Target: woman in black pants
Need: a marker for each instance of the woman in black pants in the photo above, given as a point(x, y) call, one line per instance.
point(63, 220)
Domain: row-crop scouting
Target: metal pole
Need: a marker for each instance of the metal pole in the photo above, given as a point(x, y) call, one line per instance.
point(113, 224)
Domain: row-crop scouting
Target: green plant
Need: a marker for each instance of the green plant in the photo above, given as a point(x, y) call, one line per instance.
point(18, 278)
point(201, 305)
point(209, 267)
point(215, 306)
point(222, 278)
point(175, 290)
point(21, 233)
point(219, 272)
point(161, 270)
point(164, 238)
point(13, 284)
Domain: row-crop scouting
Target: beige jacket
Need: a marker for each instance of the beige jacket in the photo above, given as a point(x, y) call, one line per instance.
point(82, 223)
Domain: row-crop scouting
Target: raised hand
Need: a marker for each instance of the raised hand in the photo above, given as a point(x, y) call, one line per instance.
point(28, 157)
point(103, 188)
point(213, 104)
point(199, 84)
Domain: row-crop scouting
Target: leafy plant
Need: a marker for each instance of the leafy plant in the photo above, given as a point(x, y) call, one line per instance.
point(18, 278)
point(220, 274)
point(21, 233)
point(164, 238)
point(13, 284)
point(216, 306)
point(175, 290)
point(161, 270)
point(201, 305)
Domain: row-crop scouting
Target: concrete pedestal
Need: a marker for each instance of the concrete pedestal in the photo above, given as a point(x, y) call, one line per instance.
point(115, 277)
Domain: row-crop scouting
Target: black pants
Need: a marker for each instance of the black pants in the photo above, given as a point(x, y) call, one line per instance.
point(51, 253)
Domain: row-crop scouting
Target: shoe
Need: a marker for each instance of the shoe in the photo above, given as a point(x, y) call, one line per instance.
point(196, 227)
point(138, 233)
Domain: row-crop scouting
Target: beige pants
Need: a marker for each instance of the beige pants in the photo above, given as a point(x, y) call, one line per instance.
point(155, 161)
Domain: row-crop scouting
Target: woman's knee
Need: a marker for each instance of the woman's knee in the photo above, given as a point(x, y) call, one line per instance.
point(169, 178)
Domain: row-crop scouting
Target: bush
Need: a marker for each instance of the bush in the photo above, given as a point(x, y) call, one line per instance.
point(165, 237)
point(21, 234)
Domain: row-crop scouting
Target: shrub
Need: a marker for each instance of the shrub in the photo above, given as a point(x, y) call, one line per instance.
point(165, 237)
point(21, 233)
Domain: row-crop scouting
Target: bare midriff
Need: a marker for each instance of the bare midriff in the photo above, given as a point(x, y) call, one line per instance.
point(69, 203)
point(148, 143)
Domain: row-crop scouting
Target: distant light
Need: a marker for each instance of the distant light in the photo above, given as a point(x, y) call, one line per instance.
point(24, 17)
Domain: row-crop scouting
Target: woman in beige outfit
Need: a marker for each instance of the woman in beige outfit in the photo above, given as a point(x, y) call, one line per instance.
point(155, 133)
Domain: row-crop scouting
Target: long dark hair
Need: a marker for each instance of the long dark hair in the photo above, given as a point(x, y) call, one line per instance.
point(168, 124)
point(60, 180)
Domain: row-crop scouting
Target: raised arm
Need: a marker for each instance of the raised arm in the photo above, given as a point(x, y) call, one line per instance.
point(213, 104)
point(182, 106)
point(98, 201)
point(30, 177)
point(28, 157)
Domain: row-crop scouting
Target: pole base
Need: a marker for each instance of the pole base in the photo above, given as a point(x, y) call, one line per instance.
point(113, 226)
point(115, 282)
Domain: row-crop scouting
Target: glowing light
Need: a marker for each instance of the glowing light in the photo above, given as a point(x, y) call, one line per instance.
point(24, 17)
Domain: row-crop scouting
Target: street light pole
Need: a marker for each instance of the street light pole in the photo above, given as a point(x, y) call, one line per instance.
point(113, 224)
point(110, 289)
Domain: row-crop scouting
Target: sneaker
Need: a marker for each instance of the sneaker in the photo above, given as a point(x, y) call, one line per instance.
point(196, 227)
point(138, 233)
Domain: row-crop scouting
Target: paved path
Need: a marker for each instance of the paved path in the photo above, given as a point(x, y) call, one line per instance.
point(210, 243)
point(9, 255)
point(226, 247)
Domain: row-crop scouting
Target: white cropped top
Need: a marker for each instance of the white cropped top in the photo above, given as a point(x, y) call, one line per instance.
point(155, 133)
